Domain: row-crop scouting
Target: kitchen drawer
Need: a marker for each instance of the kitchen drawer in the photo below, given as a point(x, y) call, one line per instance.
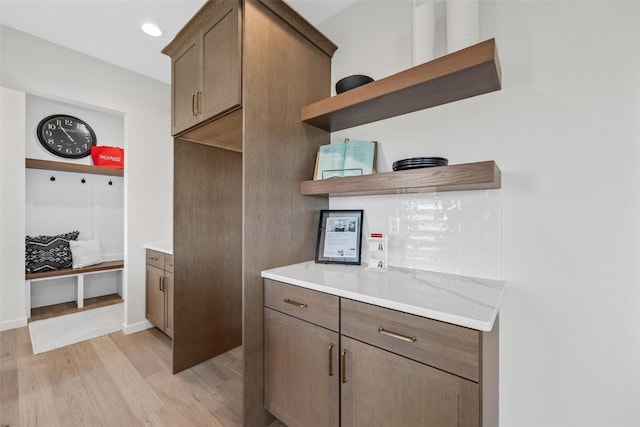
point(155, 258)
point(452, 348)
point(168, 263)
point(314, 307)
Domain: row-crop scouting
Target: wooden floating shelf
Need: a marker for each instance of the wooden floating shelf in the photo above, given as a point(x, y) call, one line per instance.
point(467, 176)
point(72, 167)
point(468, 72)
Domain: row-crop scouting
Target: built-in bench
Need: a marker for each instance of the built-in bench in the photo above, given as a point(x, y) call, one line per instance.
point(78, 273)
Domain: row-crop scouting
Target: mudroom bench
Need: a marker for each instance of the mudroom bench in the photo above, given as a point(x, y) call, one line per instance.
point(78, 273)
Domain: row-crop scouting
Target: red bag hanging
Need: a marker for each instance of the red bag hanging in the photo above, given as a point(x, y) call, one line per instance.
point(104, 155)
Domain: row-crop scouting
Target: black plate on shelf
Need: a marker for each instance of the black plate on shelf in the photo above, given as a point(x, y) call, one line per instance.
point(419, 162)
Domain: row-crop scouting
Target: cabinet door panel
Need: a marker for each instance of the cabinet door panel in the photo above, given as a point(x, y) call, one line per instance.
point(185, 76)
point(384, 389)
point(155, 297)
point(221, 63)
point(297, 386)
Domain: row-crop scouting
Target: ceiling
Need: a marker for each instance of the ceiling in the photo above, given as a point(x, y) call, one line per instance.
point(110, 29)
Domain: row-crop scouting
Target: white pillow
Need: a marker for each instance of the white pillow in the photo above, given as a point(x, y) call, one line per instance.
point(85, 253)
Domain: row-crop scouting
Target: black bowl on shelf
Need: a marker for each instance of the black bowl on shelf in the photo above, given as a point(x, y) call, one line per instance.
point(352, 82)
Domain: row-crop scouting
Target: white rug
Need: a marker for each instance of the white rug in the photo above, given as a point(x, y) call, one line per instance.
point(56, 332)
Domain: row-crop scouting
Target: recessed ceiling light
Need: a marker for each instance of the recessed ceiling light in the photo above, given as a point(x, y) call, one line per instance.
point(151, 29)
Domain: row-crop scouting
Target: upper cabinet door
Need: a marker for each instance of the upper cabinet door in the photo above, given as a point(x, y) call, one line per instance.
point(221, 66)
point(206, 70)
point(185, 86)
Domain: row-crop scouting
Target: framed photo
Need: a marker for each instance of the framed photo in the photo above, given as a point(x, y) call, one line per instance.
point(339, 237)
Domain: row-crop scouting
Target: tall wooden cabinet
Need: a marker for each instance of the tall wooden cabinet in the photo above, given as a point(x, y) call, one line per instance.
point(237, 168)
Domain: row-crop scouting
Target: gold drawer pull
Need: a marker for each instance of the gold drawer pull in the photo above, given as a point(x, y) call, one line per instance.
point(193, 104)
point(343, 368)
point(296, 303)
point(402, 337)
point(331, 373)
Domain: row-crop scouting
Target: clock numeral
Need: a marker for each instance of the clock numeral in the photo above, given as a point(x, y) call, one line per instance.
point(59, 147)
point(85, 146)
point(68, 122)
point(50, 141)
point(51, 126)
point(48, 133)
point(87, 138)
point(58, 122)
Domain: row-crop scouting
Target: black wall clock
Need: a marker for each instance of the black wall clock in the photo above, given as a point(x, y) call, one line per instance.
point(66, 136)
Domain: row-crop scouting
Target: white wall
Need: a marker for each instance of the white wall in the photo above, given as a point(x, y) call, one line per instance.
point(12, 208)
point(37, 67)
point(564, 131)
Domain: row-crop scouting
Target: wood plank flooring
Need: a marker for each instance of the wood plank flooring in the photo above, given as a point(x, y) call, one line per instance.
point(115, 380)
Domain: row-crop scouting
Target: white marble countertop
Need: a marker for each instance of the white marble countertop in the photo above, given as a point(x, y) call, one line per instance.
point(465, 301)
point(164, 247)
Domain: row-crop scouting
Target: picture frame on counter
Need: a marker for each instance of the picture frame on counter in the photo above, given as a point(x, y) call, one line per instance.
point(339, 237)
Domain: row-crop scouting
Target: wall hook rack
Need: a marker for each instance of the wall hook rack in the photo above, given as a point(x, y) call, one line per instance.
point(83, 180)
point(110, 182)
point(53, 178)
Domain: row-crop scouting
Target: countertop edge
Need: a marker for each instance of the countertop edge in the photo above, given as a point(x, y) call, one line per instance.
point(160, 247)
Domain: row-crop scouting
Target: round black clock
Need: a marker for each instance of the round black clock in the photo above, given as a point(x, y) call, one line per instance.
point(66, 136)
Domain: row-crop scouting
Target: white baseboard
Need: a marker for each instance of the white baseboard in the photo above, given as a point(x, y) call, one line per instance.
point(136, 327)
point(13, 324)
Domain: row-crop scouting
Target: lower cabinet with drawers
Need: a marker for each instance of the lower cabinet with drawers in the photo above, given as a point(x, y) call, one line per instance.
point(159, 301)
point(332, 361)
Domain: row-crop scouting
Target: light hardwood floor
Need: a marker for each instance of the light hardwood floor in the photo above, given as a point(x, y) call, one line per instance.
point(115, 380)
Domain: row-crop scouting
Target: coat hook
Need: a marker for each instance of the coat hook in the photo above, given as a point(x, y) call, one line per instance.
point(53, 178)
point(83, 180)
point(110, 182)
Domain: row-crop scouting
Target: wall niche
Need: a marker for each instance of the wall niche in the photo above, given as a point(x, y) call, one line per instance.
point(61, 201)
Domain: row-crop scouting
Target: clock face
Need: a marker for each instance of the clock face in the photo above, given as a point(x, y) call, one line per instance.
point(66, 136)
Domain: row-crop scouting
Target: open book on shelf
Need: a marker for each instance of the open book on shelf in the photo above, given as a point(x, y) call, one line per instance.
point(347, 158)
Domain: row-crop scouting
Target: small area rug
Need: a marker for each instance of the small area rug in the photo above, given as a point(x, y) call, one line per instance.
point(56, 332)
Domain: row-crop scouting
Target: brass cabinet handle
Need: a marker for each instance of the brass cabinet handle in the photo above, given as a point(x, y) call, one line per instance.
point(193, 103)
point(331, 373)
point(198, 93)
point(397, 335)
point(296, 303)
point(160, 283)
point(164, 283)
point(343, 367)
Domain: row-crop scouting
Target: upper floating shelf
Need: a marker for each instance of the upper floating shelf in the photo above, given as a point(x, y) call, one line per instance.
point(467, 176)
point(468, 72)
point(72, 167)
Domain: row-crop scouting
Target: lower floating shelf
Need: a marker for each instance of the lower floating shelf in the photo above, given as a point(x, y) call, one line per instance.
point(467, 176)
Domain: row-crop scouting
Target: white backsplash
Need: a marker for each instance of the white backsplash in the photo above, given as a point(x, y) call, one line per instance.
point(452, 232)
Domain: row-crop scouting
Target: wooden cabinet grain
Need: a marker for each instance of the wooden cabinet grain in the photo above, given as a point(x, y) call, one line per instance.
point(380, 388)
point(159, 295)
point(206, 70)
point(394, 368)
point(237, 205)
point(301, 371)
point(301, 355)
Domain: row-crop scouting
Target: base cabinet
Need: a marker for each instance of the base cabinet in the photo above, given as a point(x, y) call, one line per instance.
point(390, 369)
point(159, 303)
